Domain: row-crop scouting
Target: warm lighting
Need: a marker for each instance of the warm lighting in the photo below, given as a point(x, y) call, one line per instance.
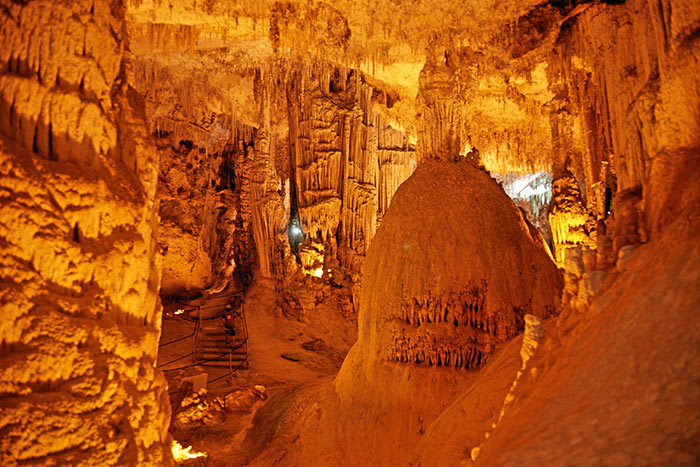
point(312, 257)
point(180, 311)
point(181, 454)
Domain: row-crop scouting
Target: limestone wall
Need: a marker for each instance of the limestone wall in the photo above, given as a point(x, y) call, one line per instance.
point(238, 131)
point(79, 275)
point(347, 161)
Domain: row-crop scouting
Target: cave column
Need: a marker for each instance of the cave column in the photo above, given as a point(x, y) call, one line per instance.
point(80, 316)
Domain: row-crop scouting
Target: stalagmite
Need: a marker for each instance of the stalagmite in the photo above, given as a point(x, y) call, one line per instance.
point(431, 277)
point(496, 201)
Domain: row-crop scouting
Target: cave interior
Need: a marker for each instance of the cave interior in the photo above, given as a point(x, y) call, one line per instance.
point(349, 232)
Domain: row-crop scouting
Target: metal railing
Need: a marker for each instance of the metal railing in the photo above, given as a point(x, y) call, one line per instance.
point(230, 351)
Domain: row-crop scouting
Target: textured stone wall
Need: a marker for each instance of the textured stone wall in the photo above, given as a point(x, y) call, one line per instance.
point(630, 76)
point(347, 160)
point(79, 278)
point(238, 132)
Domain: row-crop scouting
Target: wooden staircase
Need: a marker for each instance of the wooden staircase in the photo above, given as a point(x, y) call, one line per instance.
point(214, 347)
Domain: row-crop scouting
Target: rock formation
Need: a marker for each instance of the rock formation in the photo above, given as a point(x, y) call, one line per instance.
point(602, 376)
point(448, 295)
point(151, 147)
point(347, 161)
point(568, 218)
point(438, 300)
point(438, 290)
point(80, 273)
point(283, 138)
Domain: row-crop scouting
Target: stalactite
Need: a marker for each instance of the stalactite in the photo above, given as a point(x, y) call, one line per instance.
point(468, 331)
point(568, 218)
point(345, 157)
point(169, 38)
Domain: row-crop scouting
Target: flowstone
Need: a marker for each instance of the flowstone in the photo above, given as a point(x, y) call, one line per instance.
point(452, 271)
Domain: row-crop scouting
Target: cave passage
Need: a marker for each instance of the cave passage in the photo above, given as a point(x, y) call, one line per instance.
point(261, 233)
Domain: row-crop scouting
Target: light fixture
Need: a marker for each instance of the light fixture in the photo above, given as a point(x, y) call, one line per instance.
point(181, 454)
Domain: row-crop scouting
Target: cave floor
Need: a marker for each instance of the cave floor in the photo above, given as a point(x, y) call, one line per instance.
point(285, 351)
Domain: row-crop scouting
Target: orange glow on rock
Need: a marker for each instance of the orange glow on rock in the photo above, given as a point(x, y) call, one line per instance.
point(182, 455)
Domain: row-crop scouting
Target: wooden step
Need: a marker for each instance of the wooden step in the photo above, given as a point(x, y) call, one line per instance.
point(221, 335)
point(219, 349)
point(234, 358)
point(242, 363)
point(219, 330)
point(209, 355)
point(219, 338)
point(223, 342)
point(204, 335)
point(213, 352)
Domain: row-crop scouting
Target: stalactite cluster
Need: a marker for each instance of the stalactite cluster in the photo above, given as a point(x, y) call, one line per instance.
point(468, 356)
point(260, 193)
point(172, 37)
point(348, 161)
point(464, 309)
point(568, 217)
point(319, 124)
point(453, 329)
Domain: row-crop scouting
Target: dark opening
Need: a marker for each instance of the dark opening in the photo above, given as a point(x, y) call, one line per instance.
point(227, 176)
point(608, 202)
point(232, 180)
point(295, 234)
point(336, 82)
point(52, 155)
point(34, 145)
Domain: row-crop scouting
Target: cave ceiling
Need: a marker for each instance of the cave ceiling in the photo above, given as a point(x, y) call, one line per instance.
point(322, 162)
point(480, 65)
